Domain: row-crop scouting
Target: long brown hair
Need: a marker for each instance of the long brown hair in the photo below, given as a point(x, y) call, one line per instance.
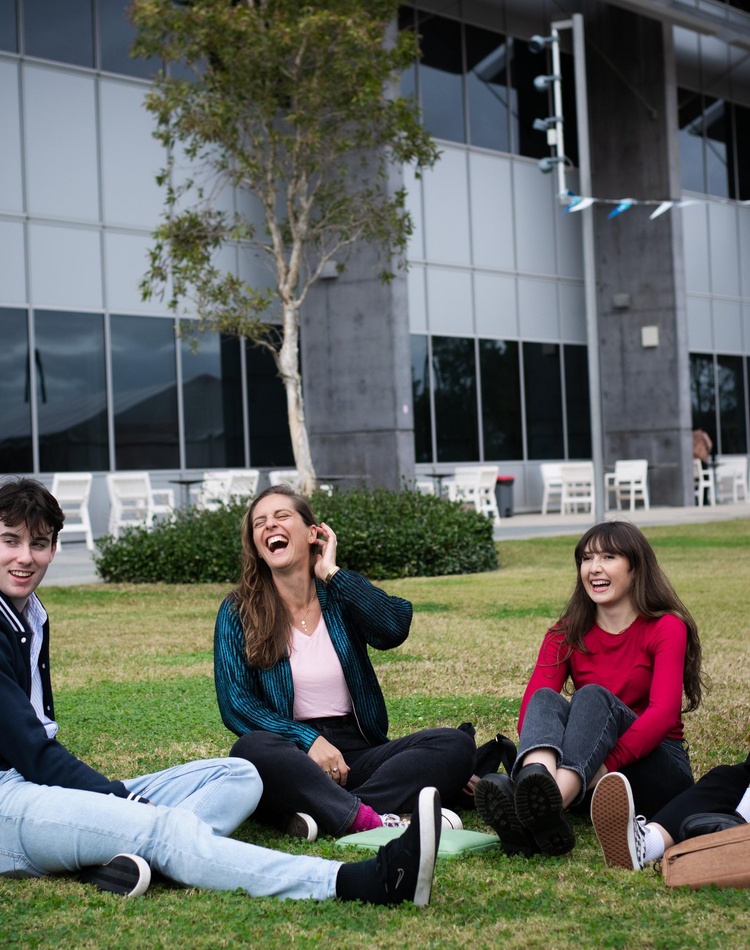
point(264, 615)
point(651, 593)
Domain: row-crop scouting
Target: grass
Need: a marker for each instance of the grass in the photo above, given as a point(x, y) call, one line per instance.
point(134, 692)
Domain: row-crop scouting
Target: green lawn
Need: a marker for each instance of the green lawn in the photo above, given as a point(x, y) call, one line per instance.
point(134, 691)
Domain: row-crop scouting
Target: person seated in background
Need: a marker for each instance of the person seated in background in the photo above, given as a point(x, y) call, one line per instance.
point(719, 800)
point(630, 648)
point(294, 681)
point(57, 814)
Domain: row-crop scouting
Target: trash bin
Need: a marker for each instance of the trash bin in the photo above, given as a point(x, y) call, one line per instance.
point(504, 495)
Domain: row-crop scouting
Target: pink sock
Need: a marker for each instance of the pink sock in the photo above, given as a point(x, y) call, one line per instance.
point(365, 819)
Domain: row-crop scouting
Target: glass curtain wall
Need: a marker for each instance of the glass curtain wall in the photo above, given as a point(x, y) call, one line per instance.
point(719, 390)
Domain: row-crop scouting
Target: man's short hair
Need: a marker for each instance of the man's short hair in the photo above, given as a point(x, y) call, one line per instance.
point(25, 501)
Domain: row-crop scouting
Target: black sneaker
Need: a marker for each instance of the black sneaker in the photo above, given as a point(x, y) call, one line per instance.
point(494, 798)
point(125, 874)
point(405, 866)
point(539, 807)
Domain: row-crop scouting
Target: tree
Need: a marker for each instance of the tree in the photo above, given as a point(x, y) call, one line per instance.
point(293, 103)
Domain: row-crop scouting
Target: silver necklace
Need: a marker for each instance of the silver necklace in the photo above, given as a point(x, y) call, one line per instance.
point(303, 622)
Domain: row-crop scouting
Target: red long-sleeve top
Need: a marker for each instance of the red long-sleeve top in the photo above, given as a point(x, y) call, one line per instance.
point(643, 666)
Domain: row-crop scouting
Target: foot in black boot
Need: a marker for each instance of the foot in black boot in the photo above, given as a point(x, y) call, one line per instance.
point(494, 798)
point(403, 868)
point(539, 807)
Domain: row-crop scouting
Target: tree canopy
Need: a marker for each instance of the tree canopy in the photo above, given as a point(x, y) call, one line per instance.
point(295, 105)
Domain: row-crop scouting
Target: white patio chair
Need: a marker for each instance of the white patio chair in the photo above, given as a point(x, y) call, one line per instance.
point(425, 486)
point(213, 491)
point(133, 503)
point(577, 487)
point(243, 483)
point(731, 479)
point(703, 483)
point(72, 490)
point(475, 484)
point(552, 484)
point(629, 480)
point(284, 476)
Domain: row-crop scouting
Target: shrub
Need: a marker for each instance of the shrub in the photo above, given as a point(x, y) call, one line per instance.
point(382, 534)
point(197, 547)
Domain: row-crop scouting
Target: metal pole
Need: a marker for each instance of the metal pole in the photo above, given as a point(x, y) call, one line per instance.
point(589, 262)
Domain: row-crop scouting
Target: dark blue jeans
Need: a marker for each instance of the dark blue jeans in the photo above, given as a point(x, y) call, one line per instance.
point(584, 731)
point(386, 777)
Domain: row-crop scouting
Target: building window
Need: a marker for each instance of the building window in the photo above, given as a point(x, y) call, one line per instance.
point(542, 388)
point(212, 401)
point(440, 72)
point(455, 392)
point(420, 385)
point(714, 143)
point(719, 391)
point(703, 394)
point(15, 393)
point(501, 399)
point(487, 88)
point(144, 392)
point(270, 441)
point(71, 392)
point(577, 402)
point(116, 36)
point(8, 26)
point(59, 31)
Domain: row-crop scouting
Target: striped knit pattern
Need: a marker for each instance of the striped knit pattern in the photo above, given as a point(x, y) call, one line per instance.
point(357, 615)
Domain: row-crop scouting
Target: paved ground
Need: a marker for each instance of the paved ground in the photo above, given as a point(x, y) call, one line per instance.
point(73, 563)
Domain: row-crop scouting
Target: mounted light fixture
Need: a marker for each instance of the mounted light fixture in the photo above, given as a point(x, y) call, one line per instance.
point(538, 43)
point(547, 164)
point(543, 125)
point(541, 82)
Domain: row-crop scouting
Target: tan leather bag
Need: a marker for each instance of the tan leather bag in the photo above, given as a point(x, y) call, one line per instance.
point(722, 858)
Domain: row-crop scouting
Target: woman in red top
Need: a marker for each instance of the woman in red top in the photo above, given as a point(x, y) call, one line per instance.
point(630, 649)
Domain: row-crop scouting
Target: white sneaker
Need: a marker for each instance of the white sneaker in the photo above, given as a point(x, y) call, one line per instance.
point(450, 820)
point(620, 831)
point(302, 826)
point(126, 874)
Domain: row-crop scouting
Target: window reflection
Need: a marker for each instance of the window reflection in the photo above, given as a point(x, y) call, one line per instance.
point(420, 386)
point(703, 393)
point(71, 392)
point(270, 442)
point(454, 372)
point(440, 73)
point(144, 388)
point(15, 432)
point(577, 402)
point(732, 421)
point(487, 88)
point(8, 34)
point(501, 399)
point(212, 401)
point(59, 31)
point(116, 36)
point(542, 387)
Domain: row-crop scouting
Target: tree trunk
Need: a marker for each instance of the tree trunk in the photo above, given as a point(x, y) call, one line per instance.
point(288, 364)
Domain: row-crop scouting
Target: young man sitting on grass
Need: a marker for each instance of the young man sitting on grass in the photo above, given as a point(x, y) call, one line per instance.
point(59, 815)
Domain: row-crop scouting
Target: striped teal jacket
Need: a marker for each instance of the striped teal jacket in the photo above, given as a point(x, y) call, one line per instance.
point(357, 615)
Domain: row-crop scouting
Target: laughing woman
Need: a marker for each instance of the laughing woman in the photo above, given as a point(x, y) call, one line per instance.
point(631, 650)
point(295, 683)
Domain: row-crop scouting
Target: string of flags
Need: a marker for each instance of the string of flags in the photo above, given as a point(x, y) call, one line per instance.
point(574, 202)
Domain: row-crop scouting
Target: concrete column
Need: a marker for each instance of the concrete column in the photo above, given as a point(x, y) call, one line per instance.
point(645, 390)
point(357, 374)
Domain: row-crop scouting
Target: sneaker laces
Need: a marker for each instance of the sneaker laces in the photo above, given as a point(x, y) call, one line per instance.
point(395, 821)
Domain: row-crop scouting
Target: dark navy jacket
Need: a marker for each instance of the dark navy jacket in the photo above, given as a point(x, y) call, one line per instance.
point(24, 743)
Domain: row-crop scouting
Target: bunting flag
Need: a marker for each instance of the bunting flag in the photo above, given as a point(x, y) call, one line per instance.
point(574, 202)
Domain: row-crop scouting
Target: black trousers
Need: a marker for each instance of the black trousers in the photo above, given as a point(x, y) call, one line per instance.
point(719, 791)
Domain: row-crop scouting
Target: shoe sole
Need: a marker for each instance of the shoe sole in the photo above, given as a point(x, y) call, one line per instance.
point(126, 874)
point(612, 813)
point(498, 811)
point(540, 810)
point(430, 820)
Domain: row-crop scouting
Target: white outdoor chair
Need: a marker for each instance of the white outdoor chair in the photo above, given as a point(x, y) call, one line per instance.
point(577, 487)
point(703, 482)
point(133, 503)
point(731, 479)
point(552, 484)
point(475, 484)
point(213, 491)
point(284, 476)
point(425, 486)
point(629, 480)
point(72, 490)
point(243, 483)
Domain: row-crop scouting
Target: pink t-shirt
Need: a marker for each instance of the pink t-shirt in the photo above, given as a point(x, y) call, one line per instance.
point(319, 686)
point(642, 666)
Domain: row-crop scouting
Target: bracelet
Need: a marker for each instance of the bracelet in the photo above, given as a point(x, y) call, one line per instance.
point(329, 575)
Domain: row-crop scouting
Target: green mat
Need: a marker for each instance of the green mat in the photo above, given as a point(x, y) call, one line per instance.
point(453, 844)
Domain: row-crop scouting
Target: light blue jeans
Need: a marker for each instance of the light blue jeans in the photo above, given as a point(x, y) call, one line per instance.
point(48, 829)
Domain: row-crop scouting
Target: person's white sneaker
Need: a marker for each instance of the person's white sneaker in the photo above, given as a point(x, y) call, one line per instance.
point(301, 825)
point(620, 831)
point(450, 821)
point(126, 874)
